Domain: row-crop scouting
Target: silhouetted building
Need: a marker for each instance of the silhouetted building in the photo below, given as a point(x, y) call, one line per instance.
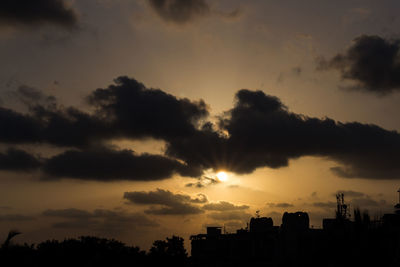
point(261, 225)
point(259, 242)
point(341, 242)
point(297, 221)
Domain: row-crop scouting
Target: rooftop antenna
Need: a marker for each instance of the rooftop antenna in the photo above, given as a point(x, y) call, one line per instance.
point(399, 194)
point(343, 210)
point(397, 206)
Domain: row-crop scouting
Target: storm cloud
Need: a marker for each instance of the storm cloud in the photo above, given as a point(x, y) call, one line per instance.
point(259, 131)
point(104, 164)
point(18, 160)
point(180, 11)
point(38, 12)
point(135, 111)
point(371, 61)
point(262, 132)
point(167, 202)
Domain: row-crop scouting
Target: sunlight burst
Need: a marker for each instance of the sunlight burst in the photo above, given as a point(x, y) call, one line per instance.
point(222, 176)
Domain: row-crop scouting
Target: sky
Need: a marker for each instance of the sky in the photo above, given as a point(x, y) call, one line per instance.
point(142, 119)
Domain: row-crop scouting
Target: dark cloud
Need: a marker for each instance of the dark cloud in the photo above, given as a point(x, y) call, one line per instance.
point(38, 12)
point(104, 164)
point(258, 132)
point(100, 220)
point(18, 160)
point(52, 125)
point(371, 61)
point(180, 11)
point(135, 111)
point(203, 182)
point(196, 185)
point(267, 134)
point(125, 110)
point(168, 202)
point(261, 132)
point(224, 206)
point(280, 205)
point(18, 128)
point(15, 218)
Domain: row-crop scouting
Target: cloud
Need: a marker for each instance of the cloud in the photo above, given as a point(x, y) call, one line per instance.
point(105, 164)
point(224, 206)
point(372, 62)
point(136, 111)
point(18, 160)
point(126, 109)
point(203, 182)
point(280, 205)
point(196, 185)
point(101, 220)
point(180, 11)
point(200, 199)
point(32, 97)
point(38, 12)
point(168, 202)
point(20, 128)
point(259, 131)
point(263, 133)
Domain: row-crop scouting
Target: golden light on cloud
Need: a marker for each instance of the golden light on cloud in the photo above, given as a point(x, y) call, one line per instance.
point(222, 176)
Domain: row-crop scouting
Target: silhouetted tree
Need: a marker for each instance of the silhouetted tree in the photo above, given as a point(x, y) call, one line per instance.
point(10, 236)
point(172, 251)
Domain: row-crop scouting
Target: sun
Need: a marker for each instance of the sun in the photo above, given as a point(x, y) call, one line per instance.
point(222, 176)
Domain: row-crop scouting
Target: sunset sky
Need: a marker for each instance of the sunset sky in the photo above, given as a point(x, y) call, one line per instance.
point(139, 119)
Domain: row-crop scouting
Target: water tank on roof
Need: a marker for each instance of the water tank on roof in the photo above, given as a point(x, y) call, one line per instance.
point(259, 225)
point(297, 221)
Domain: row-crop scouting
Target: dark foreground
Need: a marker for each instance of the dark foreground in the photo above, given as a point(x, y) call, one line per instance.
point(368, 248)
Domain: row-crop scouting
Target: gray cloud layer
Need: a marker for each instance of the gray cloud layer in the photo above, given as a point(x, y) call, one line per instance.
point(99, 220)
point(37, 12)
